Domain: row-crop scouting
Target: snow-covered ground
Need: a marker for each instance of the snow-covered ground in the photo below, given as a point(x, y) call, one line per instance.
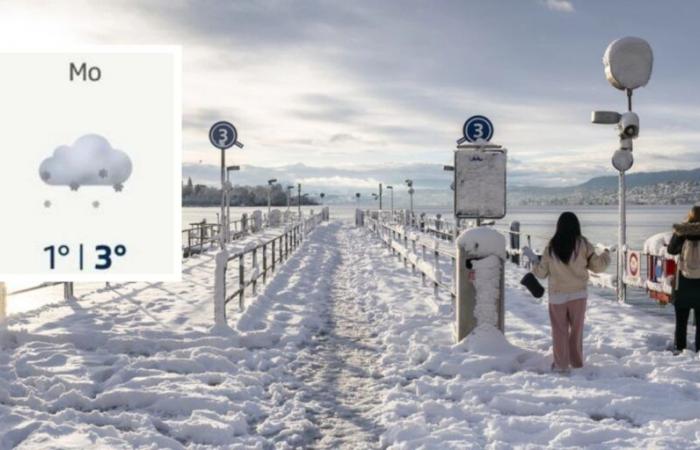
point(342, 349)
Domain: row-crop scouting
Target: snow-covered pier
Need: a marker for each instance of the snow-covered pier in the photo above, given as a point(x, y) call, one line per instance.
point(343, 347)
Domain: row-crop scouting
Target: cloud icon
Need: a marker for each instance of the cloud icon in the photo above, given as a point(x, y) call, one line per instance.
point(90, 161)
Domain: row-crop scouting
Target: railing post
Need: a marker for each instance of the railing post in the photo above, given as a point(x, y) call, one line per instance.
point(436, 262)
point(515, 241)
point(255, 266)
point(413, 250)
point(68, 293)
point(405, 246)
point(220, 288)
point(272, 254)
point(281, 238)
point(265, 263)
point(241, 282)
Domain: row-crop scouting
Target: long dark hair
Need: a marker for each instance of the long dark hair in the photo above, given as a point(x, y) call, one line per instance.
point(563, 243)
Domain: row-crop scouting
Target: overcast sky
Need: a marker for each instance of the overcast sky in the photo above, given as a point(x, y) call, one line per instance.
point(368, 84)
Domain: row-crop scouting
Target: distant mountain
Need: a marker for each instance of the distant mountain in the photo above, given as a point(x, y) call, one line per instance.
point(648, 188)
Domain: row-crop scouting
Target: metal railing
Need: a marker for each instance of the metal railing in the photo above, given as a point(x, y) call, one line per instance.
point(421, 252)
point(271, 253)
point(203, 235)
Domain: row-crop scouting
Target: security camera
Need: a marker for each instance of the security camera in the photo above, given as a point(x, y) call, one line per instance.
point(629, 125)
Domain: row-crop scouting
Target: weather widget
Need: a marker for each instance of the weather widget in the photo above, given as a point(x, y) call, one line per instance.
point(90, 164)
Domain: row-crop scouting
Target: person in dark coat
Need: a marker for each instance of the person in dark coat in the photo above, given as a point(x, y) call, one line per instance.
point(686, 293)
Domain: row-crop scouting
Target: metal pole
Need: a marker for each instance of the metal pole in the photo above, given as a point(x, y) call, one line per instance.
point(622, 240)
point(299, 198)
point(223, 198)
point(228, 206)
point(392, 203)
point(380, 196)
point(269, 202)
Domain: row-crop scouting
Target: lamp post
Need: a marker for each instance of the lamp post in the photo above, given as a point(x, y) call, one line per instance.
point(289, 195)
point(357, 197)
point(229, 191)
point(380, 196)
point(322, 195)
point(270, 182)
point(409, 183)
point(628, 63)
point(299, 199)
point(391, 188)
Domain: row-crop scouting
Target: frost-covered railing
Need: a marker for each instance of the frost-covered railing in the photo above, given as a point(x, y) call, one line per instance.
point(422, 254)
point(264, 257)
point(67, 295)
point(650, 268)
point(202, 234)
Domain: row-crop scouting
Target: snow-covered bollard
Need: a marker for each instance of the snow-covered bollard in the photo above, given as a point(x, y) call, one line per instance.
point(481, 254)
point(257, 219)
point(275, 218)
point(359, 218)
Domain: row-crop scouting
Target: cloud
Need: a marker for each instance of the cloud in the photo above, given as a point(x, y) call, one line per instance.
point(560, 5)
point(90, 161)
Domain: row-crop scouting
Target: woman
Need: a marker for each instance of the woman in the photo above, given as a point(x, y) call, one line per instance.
point(686, 294)
point(566, 261)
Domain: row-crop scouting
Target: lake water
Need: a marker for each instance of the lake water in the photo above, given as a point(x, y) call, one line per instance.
point(599, 223)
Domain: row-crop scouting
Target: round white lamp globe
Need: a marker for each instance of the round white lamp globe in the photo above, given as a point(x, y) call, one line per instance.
point(622, 160)
point(628, 63)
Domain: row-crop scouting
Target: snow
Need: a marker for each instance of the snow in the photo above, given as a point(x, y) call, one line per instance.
point(656, 245)
point(483, 241)
point(341, 349)
point(628, 62)
point(487, 284)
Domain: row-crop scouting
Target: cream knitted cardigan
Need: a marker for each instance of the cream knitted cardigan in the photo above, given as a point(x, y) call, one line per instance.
point(566, 280)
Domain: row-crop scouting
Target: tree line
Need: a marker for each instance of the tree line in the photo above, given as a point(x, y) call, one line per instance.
point(203, 195)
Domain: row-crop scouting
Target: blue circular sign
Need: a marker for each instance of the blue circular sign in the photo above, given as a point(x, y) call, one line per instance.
point(223, 135)
point(478, 128)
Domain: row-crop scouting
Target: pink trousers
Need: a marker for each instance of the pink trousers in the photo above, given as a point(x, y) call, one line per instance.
point(567, 333)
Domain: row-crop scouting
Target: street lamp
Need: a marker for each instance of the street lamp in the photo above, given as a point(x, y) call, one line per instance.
point(289, 195)
point(322, 195)
point(409, 183)
point(380, 196)
point(628, 63)
point(391, 188)
point(229, 191)
point(270, 182)
point(357, 197)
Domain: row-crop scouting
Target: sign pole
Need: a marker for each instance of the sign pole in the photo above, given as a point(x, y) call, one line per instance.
point(223, 231)
point(223, 135)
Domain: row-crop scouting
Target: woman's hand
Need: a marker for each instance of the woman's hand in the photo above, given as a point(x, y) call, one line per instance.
point(529, 254)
